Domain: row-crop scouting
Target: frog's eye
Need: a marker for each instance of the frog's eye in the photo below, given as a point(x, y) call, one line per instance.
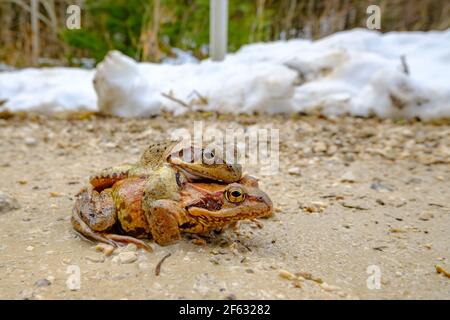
point(209, 154)
point(235, 195)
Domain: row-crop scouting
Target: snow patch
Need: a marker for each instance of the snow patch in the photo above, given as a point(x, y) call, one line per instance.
point(47, 90)
point(357, 72)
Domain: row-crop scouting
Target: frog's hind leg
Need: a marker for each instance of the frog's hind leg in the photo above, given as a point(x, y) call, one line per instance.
point(129, 239)
point(107, 177)
point(99, 212)
point(86, 232)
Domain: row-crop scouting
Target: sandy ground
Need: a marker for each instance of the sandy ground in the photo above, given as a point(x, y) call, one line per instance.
point(350, 195)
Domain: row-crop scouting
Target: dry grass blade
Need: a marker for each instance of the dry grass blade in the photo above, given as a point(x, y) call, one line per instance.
point(158, 266)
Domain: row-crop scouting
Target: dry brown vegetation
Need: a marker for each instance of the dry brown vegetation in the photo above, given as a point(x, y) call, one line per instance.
point(270, 19)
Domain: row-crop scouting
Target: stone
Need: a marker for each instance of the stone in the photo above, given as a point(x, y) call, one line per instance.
point(378, 186)
point(7, 203)
point(425, 216)
point(95, 259)
point(327, 287)
point(131, 247)
point(320, 147)
point(295, 171)
point(30, 141)
point(107, 249)
point(315, 206)
point(231, 296)
point(127, 257)
point(348, 176)
point(42, 283)
point(286, 275)
point(26, 294)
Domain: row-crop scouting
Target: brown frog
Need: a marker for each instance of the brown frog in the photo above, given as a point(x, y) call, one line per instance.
point(194, 163)
point(123, 213)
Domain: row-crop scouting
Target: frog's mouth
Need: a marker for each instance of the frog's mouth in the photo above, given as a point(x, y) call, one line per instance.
point(214, 210)
point(207, 204)
point(201, 171)
point(231, 214)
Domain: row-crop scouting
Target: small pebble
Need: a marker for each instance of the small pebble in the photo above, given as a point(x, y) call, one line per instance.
point(110, 145)
point(327, 287)
point(55, 194)
point(127, 257)
point(130, 247)
point(30, 141)
point(315, 206)
point(286, 275)
point(319, 147)
point(7, 203)
point(295, 171)
point(378, 186)
point(95, 259)
point(105, 248)
point(349, 176)
point(231, 296)
point(30, 248)
point(26, 294)
point(425, 216)
point(42, 283)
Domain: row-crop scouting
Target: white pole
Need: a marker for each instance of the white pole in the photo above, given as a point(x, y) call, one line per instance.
point(218, 29)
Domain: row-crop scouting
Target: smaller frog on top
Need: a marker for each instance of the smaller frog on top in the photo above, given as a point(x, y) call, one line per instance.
point(193, 162)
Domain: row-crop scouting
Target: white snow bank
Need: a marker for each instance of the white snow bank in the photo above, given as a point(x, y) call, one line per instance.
point(357, 72)
point(47, 90)
point(126, 88)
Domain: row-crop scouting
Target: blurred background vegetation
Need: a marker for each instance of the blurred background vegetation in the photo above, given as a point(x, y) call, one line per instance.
point(148, 30)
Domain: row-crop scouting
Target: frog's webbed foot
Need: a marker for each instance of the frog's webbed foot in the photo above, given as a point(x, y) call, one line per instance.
point(117, 238)
point(106, 178)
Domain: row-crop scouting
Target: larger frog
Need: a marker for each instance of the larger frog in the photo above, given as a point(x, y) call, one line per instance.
point(123, 214)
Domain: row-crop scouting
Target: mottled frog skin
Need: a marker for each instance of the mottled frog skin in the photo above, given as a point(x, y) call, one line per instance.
point(194, 163)
point(129, 197)
point(123, 213)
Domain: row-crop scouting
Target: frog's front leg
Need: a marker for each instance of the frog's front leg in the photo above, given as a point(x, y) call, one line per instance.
point(160, 203)
point(164, 218)
point(107, 177)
